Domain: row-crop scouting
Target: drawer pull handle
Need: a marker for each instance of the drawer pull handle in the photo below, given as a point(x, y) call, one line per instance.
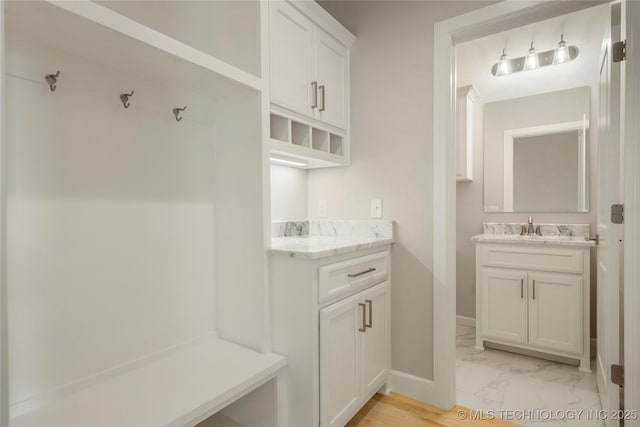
point(534, 289)
point(314, 95)
point(368, 270)
point(370, 304)
point(321, 89)
point(521, 288)
point(364, 320)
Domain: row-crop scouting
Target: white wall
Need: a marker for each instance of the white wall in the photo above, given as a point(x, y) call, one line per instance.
point(391, 151)
point(474, 59)
point(288, 193)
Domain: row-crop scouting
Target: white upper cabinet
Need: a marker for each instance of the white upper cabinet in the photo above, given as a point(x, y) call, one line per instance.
point(331, 73)
point(309, 85)
point(291, 58)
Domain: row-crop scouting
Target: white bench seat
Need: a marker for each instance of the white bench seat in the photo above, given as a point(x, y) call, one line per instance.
point(180, 388)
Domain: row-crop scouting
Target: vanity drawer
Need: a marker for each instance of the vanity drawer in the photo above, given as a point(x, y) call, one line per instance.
point(545, 258)
point(345, 277)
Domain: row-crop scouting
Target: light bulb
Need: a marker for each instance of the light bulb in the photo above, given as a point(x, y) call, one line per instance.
point(562, 52)
point(531, 62)
point(504, 67)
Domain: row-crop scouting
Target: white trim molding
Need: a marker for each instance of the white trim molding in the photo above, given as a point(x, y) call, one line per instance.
point(412, 386)
point(481, 22)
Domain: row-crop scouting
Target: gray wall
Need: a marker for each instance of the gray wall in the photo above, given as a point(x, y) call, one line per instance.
point(392, 110)
point(288, 193)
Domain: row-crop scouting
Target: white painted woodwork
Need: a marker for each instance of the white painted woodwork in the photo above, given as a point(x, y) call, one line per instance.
point(181, 387)
point(555, 311)
point(123, 246)
point(340, 360)
point(466, 98)
point(331, 363)
point(334, 279)
point(535, 298)
point(332, 58)
point(375, 342)
point(309, 81)
point(504, 305)
point(291, 57)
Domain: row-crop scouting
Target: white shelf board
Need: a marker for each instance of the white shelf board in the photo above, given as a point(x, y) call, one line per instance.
point(314, 158)
point(179, 389)
point(97, 33)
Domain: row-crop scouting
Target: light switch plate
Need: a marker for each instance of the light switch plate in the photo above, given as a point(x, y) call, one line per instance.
point(376, 208)
point(322, 208)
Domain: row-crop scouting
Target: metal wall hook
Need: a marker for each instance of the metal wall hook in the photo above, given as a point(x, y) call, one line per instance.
point(177, 111)
point(52, 79)
point(124, 97)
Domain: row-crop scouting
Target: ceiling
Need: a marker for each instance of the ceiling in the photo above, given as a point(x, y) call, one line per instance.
point(584, 29)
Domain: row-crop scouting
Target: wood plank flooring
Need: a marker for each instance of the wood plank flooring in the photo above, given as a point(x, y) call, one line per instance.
point(396, 410)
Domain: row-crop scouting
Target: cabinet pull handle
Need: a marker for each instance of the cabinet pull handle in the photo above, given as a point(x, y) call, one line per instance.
point(370, 303)
point(321, 97)
point(521, 288)
point(314, 95)
point(368, 270)
point(534, 289)
point(364, 320)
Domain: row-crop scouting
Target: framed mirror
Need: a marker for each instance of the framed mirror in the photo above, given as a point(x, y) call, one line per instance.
point(536, 153)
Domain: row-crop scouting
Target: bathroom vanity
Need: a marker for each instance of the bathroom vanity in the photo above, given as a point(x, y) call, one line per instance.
point(533, 292)
point(330, 311)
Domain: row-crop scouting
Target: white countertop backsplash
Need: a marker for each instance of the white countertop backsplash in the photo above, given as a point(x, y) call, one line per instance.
point(321, 238)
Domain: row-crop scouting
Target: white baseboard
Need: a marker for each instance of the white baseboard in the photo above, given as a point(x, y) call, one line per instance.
point(466, 321)
point(414, 387)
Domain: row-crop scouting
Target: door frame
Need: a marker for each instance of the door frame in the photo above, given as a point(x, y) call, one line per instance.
point(488, 20)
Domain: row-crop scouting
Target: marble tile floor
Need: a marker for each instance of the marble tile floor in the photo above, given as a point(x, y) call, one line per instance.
point(494, 380)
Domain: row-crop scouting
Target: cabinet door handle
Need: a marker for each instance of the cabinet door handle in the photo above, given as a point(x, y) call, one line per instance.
point(314, 95)
point(521, 288)
point(364, 320)
point(534, 289)
point(370, 304)
point(321, 97)
point(368, 270)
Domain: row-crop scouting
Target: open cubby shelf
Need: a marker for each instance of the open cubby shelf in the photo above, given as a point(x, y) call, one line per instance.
point(318, 147)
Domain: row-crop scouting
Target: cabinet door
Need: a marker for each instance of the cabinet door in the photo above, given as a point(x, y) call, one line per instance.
point(504, 305)
point(341, 325)
point(555, 311)
point(376, 341)
point(331, 71)
point(291, 60)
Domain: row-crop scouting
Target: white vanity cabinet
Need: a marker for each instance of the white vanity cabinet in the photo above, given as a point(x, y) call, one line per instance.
point(331, 317)
point(534, 296)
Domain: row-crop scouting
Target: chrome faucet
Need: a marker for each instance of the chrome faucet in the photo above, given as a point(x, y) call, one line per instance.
point(530, 228)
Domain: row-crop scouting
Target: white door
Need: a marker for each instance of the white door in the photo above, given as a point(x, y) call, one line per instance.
point(341, 325)
point(331, 71)
point(504, 305)
point(555, 311)
point(609, 192)
point(375, 342)
point(291, 58)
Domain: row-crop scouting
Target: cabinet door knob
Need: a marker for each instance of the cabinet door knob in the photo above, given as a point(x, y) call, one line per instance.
point(364, 319)
point(321, 97)
point(314, 95)
point(370, 324)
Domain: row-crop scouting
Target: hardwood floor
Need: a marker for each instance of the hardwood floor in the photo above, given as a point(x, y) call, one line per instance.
point(396, 410)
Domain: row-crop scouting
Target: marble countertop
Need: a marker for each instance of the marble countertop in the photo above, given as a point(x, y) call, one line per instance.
point(534, 240)
point(323, 246)
point(323, 238)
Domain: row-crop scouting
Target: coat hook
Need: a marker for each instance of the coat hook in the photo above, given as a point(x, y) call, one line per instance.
point(177, 111)
point(52, 79)
point(124, 97)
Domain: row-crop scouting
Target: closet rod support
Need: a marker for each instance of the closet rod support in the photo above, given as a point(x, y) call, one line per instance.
point(177, 111)
point(52, 80)
point(124, 97)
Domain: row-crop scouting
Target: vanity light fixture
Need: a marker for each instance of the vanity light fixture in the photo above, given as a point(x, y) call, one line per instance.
point(288, 161)
point(531, 63)
point(533, 60)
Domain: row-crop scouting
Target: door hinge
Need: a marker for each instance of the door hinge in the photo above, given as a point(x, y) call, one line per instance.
point(617, 214)
point(619, 51)
point(617, 375)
